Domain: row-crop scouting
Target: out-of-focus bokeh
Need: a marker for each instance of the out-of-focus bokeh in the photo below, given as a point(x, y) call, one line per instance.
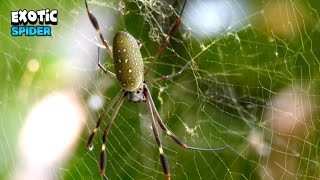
point(253, 86)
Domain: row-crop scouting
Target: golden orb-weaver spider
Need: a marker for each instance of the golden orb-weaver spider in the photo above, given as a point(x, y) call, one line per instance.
point(129, 70)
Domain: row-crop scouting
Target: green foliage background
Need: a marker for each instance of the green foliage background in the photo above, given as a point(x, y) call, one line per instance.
point(224, 94)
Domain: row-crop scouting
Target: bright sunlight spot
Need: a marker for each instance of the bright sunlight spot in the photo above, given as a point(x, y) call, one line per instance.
point(50, 131)
point(211, 18)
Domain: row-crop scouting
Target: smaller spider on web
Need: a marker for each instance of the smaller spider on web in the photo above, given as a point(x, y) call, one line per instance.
point(129, 71)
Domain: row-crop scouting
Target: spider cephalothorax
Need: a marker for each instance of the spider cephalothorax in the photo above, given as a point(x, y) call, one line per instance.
point(129, 70)
point(137, 95)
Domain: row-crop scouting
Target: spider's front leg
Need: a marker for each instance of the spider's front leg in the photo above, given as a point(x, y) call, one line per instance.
point(163, 157)
point(172, 135)
point(102, 117)
point(119, 99)
point(103, 155)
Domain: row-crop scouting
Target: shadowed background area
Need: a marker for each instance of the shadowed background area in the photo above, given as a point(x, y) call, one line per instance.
point(253, 85)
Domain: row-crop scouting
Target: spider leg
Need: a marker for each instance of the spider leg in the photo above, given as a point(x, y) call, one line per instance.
point(173, 136)
point(95, 24)
point(102, 67)
point(171, 75)
point(163, 157)
point(103, 155)
point(101, 118)
point(167, 40)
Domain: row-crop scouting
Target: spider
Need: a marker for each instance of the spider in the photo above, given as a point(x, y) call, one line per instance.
point(129, 70)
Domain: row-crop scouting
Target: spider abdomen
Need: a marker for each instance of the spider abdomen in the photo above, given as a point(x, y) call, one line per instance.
point(128, 61)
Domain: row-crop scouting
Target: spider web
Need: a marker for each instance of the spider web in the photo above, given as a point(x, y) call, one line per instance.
point(253, 86)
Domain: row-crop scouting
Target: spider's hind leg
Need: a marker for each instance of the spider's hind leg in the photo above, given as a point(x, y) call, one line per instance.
point(167, 40)
point(96, 26)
